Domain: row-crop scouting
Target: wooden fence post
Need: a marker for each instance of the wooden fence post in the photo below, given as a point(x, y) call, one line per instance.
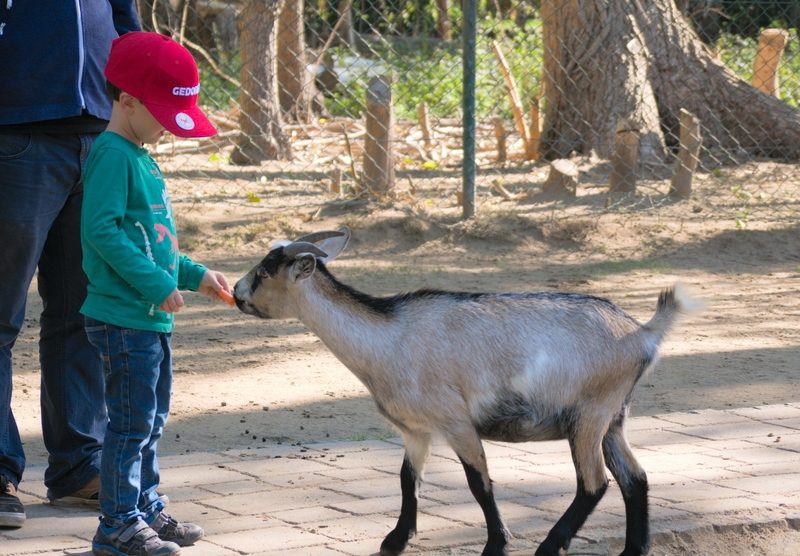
point(424, 124)
point(562, 181)
point(625, 160)
point(378, 160)
point(765, 66)
point(532, 146)
point(688, 155)
point(336, 181)
point(500, 136)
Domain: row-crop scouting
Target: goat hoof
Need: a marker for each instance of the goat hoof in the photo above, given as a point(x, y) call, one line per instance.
point(494, 551)
point(632, 552)
point(394, 543)
point(547, 549)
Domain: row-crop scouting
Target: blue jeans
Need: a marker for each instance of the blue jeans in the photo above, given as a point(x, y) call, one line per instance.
point(138, 371)
point(40, 204)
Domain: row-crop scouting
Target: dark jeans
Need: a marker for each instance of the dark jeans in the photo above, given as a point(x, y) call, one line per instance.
point(40, 205)
point(138, 371)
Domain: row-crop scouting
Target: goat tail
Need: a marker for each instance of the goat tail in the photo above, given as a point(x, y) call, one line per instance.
point(672, 301)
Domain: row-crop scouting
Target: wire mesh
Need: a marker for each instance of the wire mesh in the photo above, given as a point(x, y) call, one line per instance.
point(287, 83)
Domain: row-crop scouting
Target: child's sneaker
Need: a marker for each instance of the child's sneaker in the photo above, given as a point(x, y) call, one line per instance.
point(136, 539)
point(169, 529)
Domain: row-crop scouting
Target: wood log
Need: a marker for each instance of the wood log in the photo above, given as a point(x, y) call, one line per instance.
point(771, 44)
point(378, 160)
point(688, 155)
point(625, 160)
point(562, 181)
point(513, 95)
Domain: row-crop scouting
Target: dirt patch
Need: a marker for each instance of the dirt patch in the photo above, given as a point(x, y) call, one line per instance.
point(246, 383)
point(773, 539)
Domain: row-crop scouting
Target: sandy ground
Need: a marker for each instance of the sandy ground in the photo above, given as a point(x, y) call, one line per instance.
point(241, 382)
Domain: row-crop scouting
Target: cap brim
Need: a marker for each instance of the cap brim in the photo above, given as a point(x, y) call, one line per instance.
point(188, 122)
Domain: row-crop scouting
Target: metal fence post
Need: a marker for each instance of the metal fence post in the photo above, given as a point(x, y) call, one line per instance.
point(468, 170)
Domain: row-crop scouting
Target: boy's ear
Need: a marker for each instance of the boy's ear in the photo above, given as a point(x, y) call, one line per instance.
point(126, 100)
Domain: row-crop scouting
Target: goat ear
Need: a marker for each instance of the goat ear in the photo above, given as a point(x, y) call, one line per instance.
point(303, 267)
point(335, 245)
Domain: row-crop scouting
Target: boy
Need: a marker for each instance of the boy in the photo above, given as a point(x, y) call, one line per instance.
point(135, 271)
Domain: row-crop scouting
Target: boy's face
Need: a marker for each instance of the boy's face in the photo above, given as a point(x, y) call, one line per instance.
point(144, 127)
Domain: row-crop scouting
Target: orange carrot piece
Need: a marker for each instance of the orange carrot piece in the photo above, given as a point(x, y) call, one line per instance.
point(226, 297)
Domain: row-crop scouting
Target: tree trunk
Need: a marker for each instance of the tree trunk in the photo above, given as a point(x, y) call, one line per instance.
point(443, 25)
point(262, 135)
point(639, 60)
point(295, 82)
point(345, 33)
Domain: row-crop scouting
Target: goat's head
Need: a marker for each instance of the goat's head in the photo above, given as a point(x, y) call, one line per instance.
point(265, 290)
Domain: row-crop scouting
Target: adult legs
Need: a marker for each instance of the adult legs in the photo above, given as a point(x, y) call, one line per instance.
point(73, 409)
point(39, 176)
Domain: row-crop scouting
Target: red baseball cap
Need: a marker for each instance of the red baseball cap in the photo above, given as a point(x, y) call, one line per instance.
point(163, 76)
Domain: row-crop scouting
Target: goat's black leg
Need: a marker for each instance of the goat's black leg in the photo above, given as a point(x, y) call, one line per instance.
point(396, 541)
point(498, 534)
point(561, 534)
point(467, 445)
point(417, 450)
point(592, 484)
point(632, 482)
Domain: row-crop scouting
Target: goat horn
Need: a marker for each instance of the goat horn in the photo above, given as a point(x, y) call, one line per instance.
point(297, 247)
point(314, 237)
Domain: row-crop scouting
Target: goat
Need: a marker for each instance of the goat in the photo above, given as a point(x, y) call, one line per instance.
point(512, 367)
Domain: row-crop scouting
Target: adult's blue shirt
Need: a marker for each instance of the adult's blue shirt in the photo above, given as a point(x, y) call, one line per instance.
point(52, 55)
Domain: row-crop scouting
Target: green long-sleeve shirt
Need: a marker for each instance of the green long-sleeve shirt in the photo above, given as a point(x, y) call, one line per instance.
point(130, 246)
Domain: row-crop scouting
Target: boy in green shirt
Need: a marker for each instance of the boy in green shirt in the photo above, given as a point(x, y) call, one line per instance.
point(136, 272)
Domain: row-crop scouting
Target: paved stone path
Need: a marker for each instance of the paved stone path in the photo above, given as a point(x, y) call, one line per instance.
point(707, 469)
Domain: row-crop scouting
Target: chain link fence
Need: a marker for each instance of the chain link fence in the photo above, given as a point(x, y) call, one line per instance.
point(349, 98)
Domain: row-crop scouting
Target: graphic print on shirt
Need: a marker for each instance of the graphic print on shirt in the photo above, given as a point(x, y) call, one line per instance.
point(163, 232)
point(164, 212)
point(148, 249)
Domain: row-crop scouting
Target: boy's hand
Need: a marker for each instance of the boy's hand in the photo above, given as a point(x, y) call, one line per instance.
point(215, 286)
point(173, 302)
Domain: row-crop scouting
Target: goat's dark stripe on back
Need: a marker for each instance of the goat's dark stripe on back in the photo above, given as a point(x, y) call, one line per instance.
point(388, 306)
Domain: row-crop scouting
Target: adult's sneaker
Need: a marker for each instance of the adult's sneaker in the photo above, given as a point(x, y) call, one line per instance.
point(12, 512)
point(169, 529)
point(136, 539)
point(88, 496)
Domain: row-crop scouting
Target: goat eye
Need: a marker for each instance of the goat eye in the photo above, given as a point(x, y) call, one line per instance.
point(262, 272)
